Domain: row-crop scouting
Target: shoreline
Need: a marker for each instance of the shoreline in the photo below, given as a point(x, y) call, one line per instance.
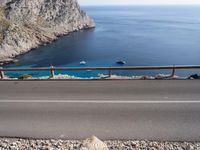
point(14, 59)
point(102, 77)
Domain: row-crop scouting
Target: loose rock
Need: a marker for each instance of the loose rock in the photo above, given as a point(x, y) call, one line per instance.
point(94, 144)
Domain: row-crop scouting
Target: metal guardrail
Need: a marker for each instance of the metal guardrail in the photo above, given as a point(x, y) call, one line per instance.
point(110, 69)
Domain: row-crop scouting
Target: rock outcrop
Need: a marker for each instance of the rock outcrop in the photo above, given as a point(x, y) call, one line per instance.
point(26, 24)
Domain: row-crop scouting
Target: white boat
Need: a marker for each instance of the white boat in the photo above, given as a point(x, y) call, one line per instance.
point(82, 63)
point(121, 62)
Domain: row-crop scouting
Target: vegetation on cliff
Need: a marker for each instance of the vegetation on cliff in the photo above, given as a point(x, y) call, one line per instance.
point(4, 24)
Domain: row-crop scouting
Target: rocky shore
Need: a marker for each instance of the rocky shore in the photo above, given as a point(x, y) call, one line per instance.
point(94, 143)
point(26, 24)
point(99, 77)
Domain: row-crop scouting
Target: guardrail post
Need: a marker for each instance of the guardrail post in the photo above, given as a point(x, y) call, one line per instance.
point(110, 72)
point(173, 71)
point(2, 73)
point(52, 72)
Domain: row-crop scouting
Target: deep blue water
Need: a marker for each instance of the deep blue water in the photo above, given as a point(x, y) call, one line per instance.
point(140, 35)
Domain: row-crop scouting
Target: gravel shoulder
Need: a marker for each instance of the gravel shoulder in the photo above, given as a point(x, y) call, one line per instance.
point(24, 144)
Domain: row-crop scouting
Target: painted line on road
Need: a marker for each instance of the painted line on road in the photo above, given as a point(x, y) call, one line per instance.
point(103, 101)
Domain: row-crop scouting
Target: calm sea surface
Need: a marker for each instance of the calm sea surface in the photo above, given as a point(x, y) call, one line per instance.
point(139, 35)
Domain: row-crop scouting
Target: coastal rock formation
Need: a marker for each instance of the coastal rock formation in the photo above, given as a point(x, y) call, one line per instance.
point(26, 24)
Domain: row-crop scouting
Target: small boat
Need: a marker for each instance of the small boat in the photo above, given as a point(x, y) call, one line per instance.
point(121, 62)
point(89, 70)
point(82, 63)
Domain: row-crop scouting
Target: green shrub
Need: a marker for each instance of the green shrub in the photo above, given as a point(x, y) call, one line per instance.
point(24, 77)
point(4, 24)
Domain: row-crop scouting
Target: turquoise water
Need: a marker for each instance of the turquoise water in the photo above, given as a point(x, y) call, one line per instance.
point(139, 35)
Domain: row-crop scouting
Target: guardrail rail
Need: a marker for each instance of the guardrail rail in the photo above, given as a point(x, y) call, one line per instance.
point(52, 69)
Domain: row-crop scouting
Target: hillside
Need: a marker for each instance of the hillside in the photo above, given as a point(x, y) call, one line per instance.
point(26, 24)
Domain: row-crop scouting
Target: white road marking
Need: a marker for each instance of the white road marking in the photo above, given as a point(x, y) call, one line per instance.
point(104, 102)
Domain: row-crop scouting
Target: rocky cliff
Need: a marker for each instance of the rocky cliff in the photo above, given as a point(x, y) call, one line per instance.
point(26, 24)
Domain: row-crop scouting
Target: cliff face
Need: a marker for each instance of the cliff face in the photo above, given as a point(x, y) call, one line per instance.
point(25, 24)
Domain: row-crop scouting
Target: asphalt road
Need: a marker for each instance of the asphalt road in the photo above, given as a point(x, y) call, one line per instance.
point(126, 109)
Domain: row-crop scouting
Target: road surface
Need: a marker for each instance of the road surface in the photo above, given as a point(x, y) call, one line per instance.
point(121, 109)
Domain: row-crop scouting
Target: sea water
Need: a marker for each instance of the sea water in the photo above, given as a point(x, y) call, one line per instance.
point(139, 35)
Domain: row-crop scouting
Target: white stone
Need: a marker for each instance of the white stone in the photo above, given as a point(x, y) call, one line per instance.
point(93, 143)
